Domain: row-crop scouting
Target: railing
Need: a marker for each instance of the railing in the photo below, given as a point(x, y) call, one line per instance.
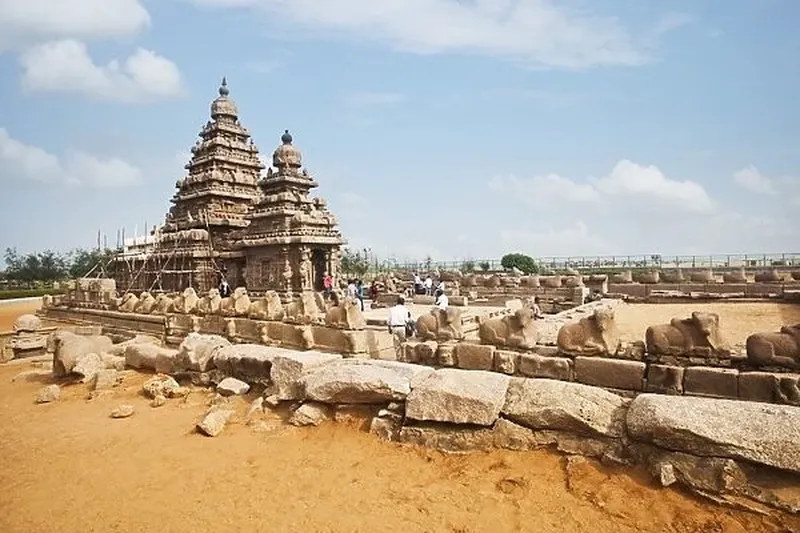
point(728, 261)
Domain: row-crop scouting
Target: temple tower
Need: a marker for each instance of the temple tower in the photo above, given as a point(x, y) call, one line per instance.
point(292, 238)
point(196, 245)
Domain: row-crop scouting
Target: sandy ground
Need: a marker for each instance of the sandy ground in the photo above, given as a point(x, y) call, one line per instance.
point(69, 467)
point(737, 320)
point(10, 310)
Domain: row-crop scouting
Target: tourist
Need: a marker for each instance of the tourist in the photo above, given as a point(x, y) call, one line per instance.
point(327, 285)
point(537, 311)
point(440, 286)
point(360, 293)
point(224, 289)
point(418, 288)
point(351, 289)
point(428, 284)
point(441, 300)
point(373, 290)
point(399, 319)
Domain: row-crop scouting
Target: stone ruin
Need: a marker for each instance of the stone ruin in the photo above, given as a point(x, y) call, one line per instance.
point(734, 452)
point(229, 221)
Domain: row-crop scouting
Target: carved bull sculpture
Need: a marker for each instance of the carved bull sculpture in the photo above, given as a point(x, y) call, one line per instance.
point(210, 303)
point(346, 315)
point(128, 303)
point(780, 348)
point(440, 325)
point(164, 304)
point(146, 303)
point(68, 349)
point(517, 330)
point(303, 310)
point(237, 304)
point(186, 302)
point(698, 335)
point(595, 335)
point(269, 307)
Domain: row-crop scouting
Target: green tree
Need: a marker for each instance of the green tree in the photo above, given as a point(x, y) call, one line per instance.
point(468, 266)
point(355, 263)
point(46, 266)
point(485, 266)
point(82, 261)
point(522, 262)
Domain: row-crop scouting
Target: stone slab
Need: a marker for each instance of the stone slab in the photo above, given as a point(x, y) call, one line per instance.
point(665, 379)
point(714, 382)
point(471, 356)
point(287, 368)
point(537, 366)
point(458, 396)
point(612, 373)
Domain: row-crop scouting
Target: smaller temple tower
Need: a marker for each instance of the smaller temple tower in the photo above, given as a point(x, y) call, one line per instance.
point(292, 238)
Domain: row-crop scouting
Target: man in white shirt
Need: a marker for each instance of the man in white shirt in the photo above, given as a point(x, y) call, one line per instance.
point(399, 317)
point(417, 283)
point(428, 286)
point(441, 300)
point(537, 311)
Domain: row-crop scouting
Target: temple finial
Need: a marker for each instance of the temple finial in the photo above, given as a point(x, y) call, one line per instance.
point(286, 138)
point(223, 89)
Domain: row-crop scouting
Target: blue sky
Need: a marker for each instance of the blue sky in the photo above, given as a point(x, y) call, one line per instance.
point(450, 128)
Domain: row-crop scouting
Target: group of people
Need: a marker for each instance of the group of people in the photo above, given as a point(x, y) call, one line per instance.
point(426, 286)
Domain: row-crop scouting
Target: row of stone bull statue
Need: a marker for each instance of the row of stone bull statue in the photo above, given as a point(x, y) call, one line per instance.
point(309, 308)
point(697, 337)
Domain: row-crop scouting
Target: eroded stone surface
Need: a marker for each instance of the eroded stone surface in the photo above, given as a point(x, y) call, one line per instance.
point(761, 433)
point(310, 414)
point(550, 404)
point(149, 356)
point(214, 422)
point(250, 362)
point(458, 396)
point(232, 387)
point(361, 381)
point(287, 369)
point(197, 351)
point(123, 411)
point(48, 394)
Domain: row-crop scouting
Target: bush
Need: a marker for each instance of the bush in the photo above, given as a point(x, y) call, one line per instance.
point(468, 266)
point(28, 293)
point(485, 266)
point(525, 263)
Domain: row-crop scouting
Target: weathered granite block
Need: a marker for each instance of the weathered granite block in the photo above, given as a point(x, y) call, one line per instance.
point(458, 396)
point(426, 352)
point(446, 354)
point(546, 351)
point(613, 373)
point(471, 356)
point(505, 361)
point(665, 379)
point(537, 366)
point(409, 352)
point(758, 386)
point(287, 368)
point(708, 381)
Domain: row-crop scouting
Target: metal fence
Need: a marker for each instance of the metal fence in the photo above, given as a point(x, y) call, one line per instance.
point(755, 261)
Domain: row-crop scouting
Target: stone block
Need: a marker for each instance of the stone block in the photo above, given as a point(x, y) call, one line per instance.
point(546, 351)
point(426, 353)
point(537, 366)
point(758, 386)
point(612, 373)
point(287, 368)
point(665, 379)
point(446, 354)
point(709, 381)
point(459, 397)
point(409, 353)
point(471, 356)
point(505, 361)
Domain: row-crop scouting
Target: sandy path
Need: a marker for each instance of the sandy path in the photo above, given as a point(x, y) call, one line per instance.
point(10, 310)
point(738, 320)
point(67, 466)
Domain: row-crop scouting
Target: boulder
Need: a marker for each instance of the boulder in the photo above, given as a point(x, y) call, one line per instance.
point(458, 396)
point(214, 422)
point(559, 405)
point(160, 385)
point(147, 356)
point(69, 348)
point(310, 414)
point(756, 432)
point(106, 379)
point(249, 362)
point(361, 381)
point(88, 367)
point(27, 324)
point(232, 387)
point(197, 351)
point(123, 411)
point(288, 367)
point(48, 394)
point(119, 349)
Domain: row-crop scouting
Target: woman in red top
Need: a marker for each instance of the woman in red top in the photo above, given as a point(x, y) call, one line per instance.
point(327, 285)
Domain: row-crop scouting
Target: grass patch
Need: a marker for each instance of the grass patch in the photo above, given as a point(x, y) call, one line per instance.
point(13, 294)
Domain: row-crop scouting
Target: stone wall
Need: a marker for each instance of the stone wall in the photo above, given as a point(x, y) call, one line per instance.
point(712, 446)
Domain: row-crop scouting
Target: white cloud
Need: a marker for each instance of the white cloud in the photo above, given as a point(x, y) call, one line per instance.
point(751, 179)
point(366, 98)
point(65, 66)
point(551, 242)
point(24, 162)
point(533, 32)
point(23, 22)
point(645, 185)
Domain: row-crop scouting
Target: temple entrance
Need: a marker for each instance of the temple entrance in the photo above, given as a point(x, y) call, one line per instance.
point(320, 265)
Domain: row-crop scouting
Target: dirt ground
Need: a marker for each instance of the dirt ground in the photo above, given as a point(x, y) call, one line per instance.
point(68, 466)
point(737, 320)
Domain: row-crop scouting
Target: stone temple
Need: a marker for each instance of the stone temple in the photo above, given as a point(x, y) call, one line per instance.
point(230, 220)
